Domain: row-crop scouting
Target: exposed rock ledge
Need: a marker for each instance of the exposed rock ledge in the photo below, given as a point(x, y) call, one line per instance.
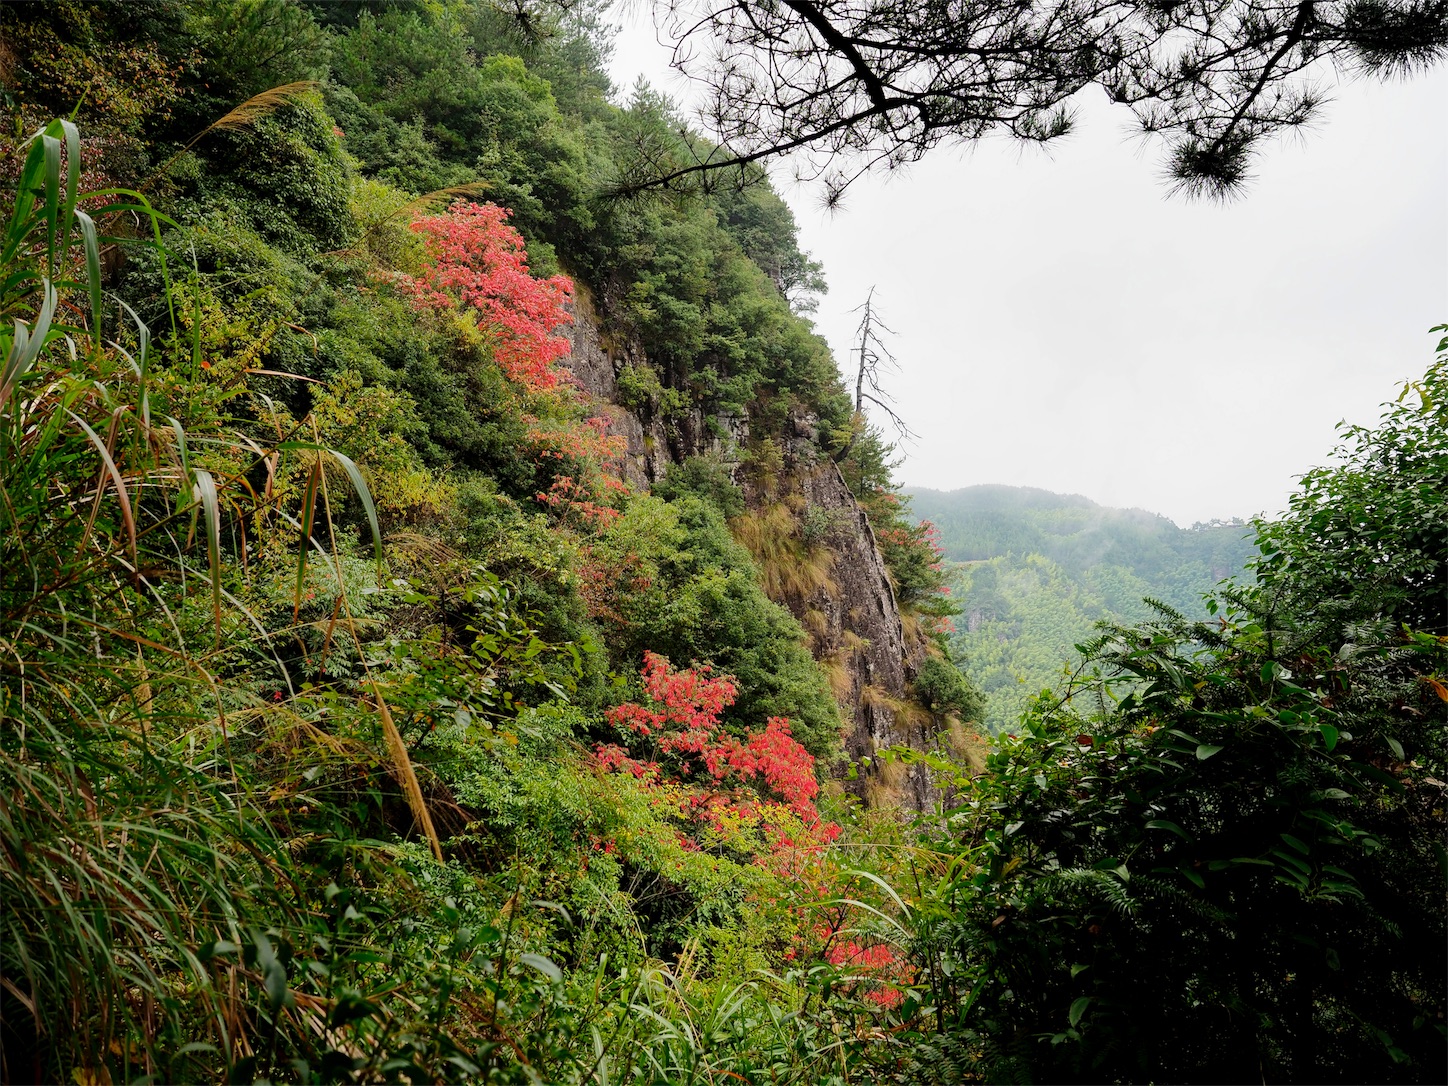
point(653, 442)
point(856, 621)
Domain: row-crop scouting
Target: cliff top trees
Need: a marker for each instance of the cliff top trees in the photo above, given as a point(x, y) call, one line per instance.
point(1366, 539)
point(857, 84)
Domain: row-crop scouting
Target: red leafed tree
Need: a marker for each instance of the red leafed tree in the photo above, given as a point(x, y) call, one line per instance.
point(878, 968)
point(675, 734)
point(478, 260)
point(672, 741)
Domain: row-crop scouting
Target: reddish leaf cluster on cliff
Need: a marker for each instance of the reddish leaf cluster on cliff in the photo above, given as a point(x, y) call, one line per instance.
point(916, 561)
point(675, 737)
point(479, 260)
point(476, 260)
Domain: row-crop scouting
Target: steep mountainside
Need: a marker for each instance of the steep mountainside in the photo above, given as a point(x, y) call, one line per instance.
point(486, 582)
point(815, 548)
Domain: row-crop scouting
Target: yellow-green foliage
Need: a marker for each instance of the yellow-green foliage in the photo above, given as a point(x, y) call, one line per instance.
point(368, 423)
point(384, 220)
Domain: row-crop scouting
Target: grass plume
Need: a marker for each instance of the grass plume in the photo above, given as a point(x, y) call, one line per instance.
point(256, 107)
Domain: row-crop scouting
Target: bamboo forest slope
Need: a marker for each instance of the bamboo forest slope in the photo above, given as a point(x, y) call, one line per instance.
point(1034, 571)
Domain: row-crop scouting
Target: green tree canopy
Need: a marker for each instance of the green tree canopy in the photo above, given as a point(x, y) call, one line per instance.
point(865, 83)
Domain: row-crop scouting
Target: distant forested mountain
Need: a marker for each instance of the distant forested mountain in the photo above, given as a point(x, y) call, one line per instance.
point(1034, 571)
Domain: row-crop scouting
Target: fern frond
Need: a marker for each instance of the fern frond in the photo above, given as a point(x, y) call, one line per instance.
point(1164, 609)
point(1100, 884)
point(1180, 895)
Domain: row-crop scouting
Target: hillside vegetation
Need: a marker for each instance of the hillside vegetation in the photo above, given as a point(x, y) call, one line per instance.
point(363, 720)
point(368, 714)
point(1033, 572)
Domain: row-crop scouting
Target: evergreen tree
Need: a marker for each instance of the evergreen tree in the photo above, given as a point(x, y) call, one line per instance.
point(866, 83)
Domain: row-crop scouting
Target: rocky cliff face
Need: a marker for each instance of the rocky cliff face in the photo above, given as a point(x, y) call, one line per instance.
point(849, 609)
point(654, 442)
point(854, 624)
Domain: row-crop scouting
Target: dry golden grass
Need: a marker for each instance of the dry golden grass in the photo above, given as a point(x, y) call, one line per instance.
point(885, 786)
point(841, 679)
point(875, 697)
point(291, 734)
point(817, 624)
point(965, 743)
point(788, 569)
point(765, 533)
point(911, 632)
point(814, 572)
point(257, 107)
point(911, 713)
point(423, 550)
point(906, 711)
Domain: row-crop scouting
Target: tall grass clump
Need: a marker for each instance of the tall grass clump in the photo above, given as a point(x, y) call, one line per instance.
point(139, 873)
point(792, 566)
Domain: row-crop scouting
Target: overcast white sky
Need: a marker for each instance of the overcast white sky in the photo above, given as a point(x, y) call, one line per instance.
point(1062, 323)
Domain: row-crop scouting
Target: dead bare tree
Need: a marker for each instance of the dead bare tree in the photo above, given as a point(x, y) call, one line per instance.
point(872, 357)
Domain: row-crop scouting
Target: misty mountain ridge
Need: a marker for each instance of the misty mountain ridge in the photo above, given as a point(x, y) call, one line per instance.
point(1034, 572)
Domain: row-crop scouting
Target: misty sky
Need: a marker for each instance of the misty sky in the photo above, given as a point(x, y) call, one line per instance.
point(1063, 323)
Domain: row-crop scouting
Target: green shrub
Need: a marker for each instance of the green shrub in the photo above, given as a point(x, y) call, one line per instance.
point(669, 578)
point(942, 688)
point(1214, 856)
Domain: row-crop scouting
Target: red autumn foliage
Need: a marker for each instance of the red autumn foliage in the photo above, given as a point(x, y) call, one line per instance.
point(673, 742)
point(567, 494)
point(676, 735)
point(871, 966)
point(593, 451)
point(478, 260)
point(587, 439)
point(879, 965)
